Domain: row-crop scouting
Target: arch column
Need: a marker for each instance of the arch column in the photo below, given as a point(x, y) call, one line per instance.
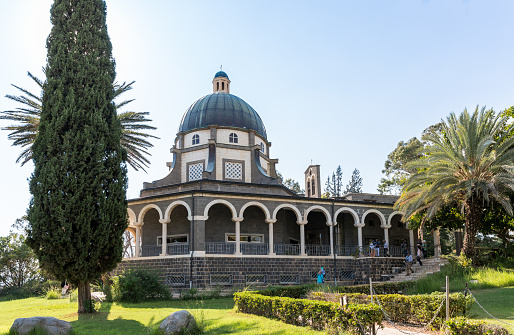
point(411, 240)
point(270, 238)
point(386, 232)
point(237, 222)
point(331, 225)
point(359, 235)
point(164, 243)
point(138, 225)
point(302, 237)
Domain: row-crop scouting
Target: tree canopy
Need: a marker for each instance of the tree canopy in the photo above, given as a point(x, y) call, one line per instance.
point(355, 183)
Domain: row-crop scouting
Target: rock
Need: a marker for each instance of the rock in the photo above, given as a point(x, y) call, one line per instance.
point(50, 325)
point(177, 321)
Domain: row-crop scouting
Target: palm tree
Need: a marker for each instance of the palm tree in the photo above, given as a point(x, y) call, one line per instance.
point(133, 124)
point(468, 162)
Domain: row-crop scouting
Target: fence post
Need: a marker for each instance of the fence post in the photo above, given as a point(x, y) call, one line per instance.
point(447, 298)
point(465, 295)
point(371, 293)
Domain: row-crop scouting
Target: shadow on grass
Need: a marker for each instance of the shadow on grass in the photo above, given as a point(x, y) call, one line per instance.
point(98, 324)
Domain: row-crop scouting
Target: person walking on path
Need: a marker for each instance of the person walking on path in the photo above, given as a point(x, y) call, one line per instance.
point(408, 263)
point(419, 256)
point(321, 276)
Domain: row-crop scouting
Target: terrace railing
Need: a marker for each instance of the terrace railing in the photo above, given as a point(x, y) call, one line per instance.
point(254, 248)
point(347, 250)
point(178, 249)
point(286, 249)
point(220, 248)
point(317, 249)
point(150, 250)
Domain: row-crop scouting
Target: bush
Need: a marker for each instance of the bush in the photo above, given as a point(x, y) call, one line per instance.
point(31, 289)
point(52, 294)
point(461, 325)
point(303, 312)
point(138, 286)
point(411, 308)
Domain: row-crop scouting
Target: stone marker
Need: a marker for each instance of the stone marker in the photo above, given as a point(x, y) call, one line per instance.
point(177, 321)
point(51, 325)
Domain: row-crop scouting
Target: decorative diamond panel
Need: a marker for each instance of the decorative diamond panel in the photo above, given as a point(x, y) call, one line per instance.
point(175, 280)
point(220, 279)
point(195, 171)
point(289, 279)
point(256, 279)
point(233, 170)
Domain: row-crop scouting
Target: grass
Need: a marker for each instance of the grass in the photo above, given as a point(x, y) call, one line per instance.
point(499, 302)
point(218, 315)
point(479, 278)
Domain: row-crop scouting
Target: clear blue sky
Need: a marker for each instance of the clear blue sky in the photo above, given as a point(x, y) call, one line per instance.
point(335, 82)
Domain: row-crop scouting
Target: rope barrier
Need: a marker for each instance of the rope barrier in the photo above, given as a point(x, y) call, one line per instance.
point(507, 323)
point(404, 332)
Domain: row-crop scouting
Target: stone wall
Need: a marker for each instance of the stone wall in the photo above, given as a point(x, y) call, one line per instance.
point(209, 272)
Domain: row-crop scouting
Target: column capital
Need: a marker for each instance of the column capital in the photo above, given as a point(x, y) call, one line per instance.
point(197, 217)
point(139, 224)
point(237, 219)
point(271, 220)
point(302, 223)
point(164, 221)
point(386, 226)
point(359, 225)
point(331, 224)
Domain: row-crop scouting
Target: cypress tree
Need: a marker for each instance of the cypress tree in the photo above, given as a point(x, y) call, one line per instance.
point(78, 208)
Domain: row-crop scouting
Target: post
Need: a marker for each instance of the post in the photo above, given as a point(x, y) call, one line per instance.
point(238, 235)
point(465, 295)
point(138, 237)
point(371, 293)
point(447, 298)
point(270, 238)
point(302, 238)
point(164, 240)
point(359, 237)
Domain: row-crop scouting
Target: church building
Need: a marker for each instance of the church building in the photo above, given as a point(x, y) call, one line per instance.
point(222, 216)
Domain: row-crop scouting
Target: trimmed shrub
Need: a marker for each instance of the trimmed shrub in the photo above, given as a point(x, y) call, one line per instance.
point(461, 325)
point(407, 308)
point(52, 294)
point(303, 312)
point(138, 286)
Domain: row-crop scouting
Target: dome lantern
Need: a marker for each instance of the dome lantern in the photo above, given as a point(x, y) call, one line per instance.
point(221, 83)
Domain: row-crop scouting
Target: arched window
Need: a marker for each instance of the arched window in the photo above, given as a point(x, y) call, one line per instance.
point(313, 186)
point(222, 86)
point(218, 86)
point(262, 148)
point(196, 139)
point(308, 188)
point(232, 138)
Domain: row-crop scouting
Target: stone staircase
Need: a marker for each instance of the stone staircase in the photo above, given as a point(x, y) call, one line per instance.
point(430, 265)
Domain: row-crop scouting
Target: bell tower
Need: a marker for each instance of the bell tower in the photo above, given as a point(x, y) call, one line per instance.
point(221, 83)
point(312, 182)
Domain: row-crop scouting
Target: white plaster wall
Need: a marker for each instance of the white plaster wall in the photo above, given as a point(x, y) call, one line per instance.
point(240, 155)
point(223, 136)
point(193, 156)
point(204, 138)
point(264, 164)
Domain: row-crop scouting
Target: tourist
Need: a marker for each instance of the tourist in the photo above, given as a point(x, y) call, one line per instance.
point(408, 263)
point(424, 248)
point(371, 249)
point(321, 276)
point(64, 286)
point(377, 247)
point(386, 249)
point(419, 256)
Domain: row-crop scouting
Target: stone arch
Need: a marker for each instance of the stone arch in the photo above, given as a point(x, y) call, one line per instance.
point(288, 206)
point(258, 204)
point(378, 213)
point(323, 209)
point(131, 216)
point(220, 201)
point(174, 204)
point(347, 210)
point(390, 218)
point(146, 208)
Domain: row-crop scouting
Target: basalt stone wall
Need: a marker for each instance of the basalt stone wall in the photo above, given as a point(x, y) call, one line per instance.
point(208, 272)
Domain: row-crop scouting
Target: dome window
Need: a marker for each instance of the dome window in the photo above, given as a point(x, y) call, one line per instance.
point(262, 148)
point(232, 138)
point(196, 139)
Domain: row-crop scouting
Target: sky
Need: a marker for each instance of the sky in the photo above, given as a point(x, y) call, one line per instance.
point(335, 82)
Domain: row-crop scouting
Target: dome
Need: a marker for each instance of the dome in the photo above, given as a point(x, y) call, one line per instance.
point(221, 74)
point(222, 109)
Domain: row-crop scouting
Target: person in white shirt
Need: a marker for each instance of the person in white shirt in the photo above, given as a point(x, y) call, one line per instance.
point(386, 249)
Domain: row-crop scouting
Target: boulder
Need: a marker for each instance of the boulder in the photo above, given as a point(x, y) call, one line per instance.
point(50, 325)
point(98, 296)
point(177, 321)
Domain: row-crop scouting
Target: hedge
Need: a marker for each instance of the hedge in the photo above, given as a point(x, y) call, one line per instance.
point(303, 312)
point(407, 308)
point(461, 325)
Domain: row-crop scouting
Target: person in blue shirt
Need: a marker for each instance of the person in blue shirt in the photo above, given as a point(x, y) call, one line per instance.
point(321, 276)
point(408, 263)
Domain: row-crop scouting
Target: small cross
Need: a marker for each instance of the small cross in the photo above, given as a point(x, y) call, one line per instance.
point(311, 161)
point(221, 67)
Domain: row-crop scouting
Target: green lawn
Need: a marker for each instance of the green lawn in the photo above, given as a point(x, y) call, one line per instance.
point(499, 302)
point(218, 315)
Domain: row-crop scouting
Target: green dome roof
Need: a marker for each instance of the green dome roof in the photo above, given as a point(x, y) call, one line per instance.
point(222, 109)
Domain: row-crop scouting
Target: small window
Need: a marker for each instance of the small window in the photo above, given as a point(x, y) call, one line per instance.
point(222, 86)
point(232, 138)
point(196, 139)
point(173, 239)
point(313, 187)
point(254, 238)
point(262, 148)
point(218, 86)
